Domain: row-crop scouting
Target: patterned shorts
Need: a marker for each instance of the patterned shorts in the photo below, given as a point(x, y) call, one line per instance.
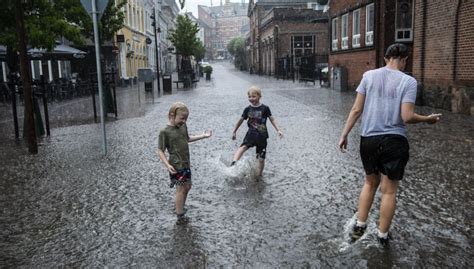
point(181, 177)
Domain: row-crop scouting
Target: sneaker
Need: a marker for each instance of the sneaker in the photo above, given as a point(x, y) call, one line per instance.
point(182, 219)
point(385, 241)
point(232, 163)
point(357, 232)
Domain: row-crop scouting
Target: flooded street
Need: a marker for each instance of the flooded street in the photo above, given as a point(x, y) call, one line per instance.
point(71, 206)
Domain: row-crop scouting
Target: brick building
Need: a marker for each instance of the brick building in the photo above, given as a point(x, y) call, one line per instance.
point(257, 12)
point(288, 35)
point(438, 34)
point(223, 23)
point(443, 54)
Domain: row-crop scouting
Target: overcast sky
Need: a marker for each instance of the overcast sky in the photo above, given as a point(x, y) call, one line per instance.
point(192, 5)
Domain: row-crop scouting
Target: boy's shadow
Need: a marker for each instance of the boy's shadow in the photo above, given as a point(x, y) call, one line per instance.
point(185, 249)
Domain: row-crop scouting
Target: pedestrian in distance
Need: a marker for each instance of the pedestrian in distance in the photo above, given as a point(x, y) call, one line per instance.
point(386, 101)
point(256, 115)
point(174, 138)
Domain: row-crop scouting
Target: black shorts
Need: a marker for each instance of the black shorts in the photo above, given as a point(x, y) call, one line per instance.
point(181, 177)
point(386, 154)
point(258, 141)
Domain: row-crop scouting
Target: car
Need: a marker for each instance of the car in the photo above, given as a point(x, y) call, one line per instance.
point(204, 64)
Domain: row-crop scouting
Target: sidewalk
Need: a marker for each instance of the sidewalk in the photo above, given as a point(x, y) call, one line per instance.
point(80, 110)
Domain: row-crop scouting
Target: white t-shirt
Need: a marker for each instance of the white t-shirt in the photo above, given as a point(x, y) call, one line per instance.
point(385, 90)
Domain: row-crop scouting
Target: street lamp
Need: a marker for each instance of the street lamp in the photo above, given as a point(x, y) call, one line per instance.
point(153, 17)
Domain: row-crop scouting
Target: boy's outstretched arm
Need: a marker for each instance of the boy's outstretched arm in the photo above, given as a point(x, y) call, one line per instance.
point(168, 166)
point(234, 132)
point(205, 134)
point(273, 121)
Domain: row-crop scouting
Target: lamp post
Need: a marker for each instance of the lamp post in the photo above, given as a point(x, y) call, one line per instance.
point(153, 17)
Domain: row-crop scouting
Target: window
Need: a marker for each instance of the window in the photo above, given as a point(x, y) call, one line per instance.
point(369, 25)
point(404, 20)
point(344, 31)
point(334, 34)
point(302, 45)
point(356, 28)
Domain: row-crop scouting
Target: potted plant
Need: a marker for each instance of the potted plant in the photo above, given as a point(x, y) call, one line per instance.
point(208, 70)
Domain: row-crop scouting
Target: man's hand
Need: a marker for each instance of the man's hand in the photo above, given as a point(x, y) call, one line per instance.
point(207, 134)
point(433, 118)
point(343, 143)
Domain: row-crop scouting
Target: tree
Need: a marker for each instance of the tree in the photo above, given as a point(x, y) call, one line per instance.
point(39, 24)
point(236, 48)
point(200, 51)
point(184, 36)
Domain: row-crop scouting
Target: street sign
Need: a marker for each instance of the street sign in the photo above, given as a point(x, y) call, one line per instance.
point(145, 75)
point(100, 5)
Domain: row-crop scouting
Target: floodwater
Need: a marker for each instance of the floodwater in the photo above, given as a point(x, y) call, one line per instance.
point(71, 206)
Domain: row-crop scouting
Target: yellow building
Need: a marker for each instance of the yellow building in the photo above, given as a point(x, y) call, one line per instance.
point(133, 49)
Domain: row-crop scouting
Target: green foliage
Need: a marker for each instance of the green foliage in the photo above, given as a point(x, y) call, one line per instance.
point(236, 48)
point(112, 20)
point(47, 21)
point(199, 51)
point(184, 37)
point(207, 69)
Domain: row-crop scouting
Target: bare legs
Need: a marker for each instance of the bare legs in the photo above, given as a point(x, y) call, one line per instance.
point(366, 197)
point(238, 154)
point(181, 195)
point(388, 201)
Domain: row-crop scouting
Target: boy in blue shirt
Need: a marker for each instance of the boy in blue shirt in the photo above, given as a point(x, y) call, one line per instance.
point(256, 115)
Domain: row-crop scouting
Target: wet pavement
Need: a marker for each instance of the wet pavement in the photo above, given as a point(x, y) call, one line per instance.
point(71, 206)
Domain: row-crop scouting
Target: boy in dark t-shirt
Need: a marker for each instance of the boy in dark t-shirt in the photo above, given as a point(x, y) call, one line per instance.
point(256, 115)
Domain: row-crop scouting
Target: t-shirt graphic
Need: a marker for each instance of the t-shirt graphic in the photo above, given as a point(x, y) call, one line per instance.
point(257, 119)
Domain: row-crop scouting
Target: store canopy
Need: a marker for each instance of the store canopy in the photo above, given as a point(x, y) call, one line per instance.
point(59, 50)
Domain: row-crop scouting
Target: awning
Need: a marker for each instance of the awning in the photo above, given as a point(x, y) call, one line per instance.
point(59, 50)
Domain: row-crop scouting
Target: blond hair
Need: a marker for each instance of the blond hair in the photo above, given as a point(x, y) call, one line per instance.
point(255, 90)
point(176, 108)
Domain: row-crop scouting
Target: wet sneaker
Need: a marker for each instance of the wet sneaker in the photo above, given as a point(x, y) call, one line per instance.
point(357, 232)
point(385, 241)
point(182, 219)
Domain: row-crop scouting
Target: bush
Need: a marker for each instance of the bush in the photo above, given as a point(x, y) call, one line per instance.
point(207, 69)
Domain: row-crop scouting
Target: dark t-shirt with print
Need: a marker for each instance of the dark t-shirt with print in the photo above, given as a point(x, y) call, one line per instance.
point(257, 119)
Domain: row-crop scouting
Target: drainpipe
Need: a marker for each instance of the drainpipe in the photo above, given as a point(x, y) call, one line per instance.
point(456, 41)
point(423, 44)
point(377, 16)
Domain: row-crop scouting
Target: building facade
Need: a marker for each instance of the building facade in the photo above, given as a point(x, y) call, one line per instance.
point(362, 30)
point(284, 32)
point(132, 41)
point(291, 39)
point(443, 54)
point(224, 23)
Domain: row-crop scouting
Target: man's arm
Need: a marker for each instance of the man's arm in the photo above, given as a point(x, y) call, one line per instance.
point(409, 115)
point(354, 114)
